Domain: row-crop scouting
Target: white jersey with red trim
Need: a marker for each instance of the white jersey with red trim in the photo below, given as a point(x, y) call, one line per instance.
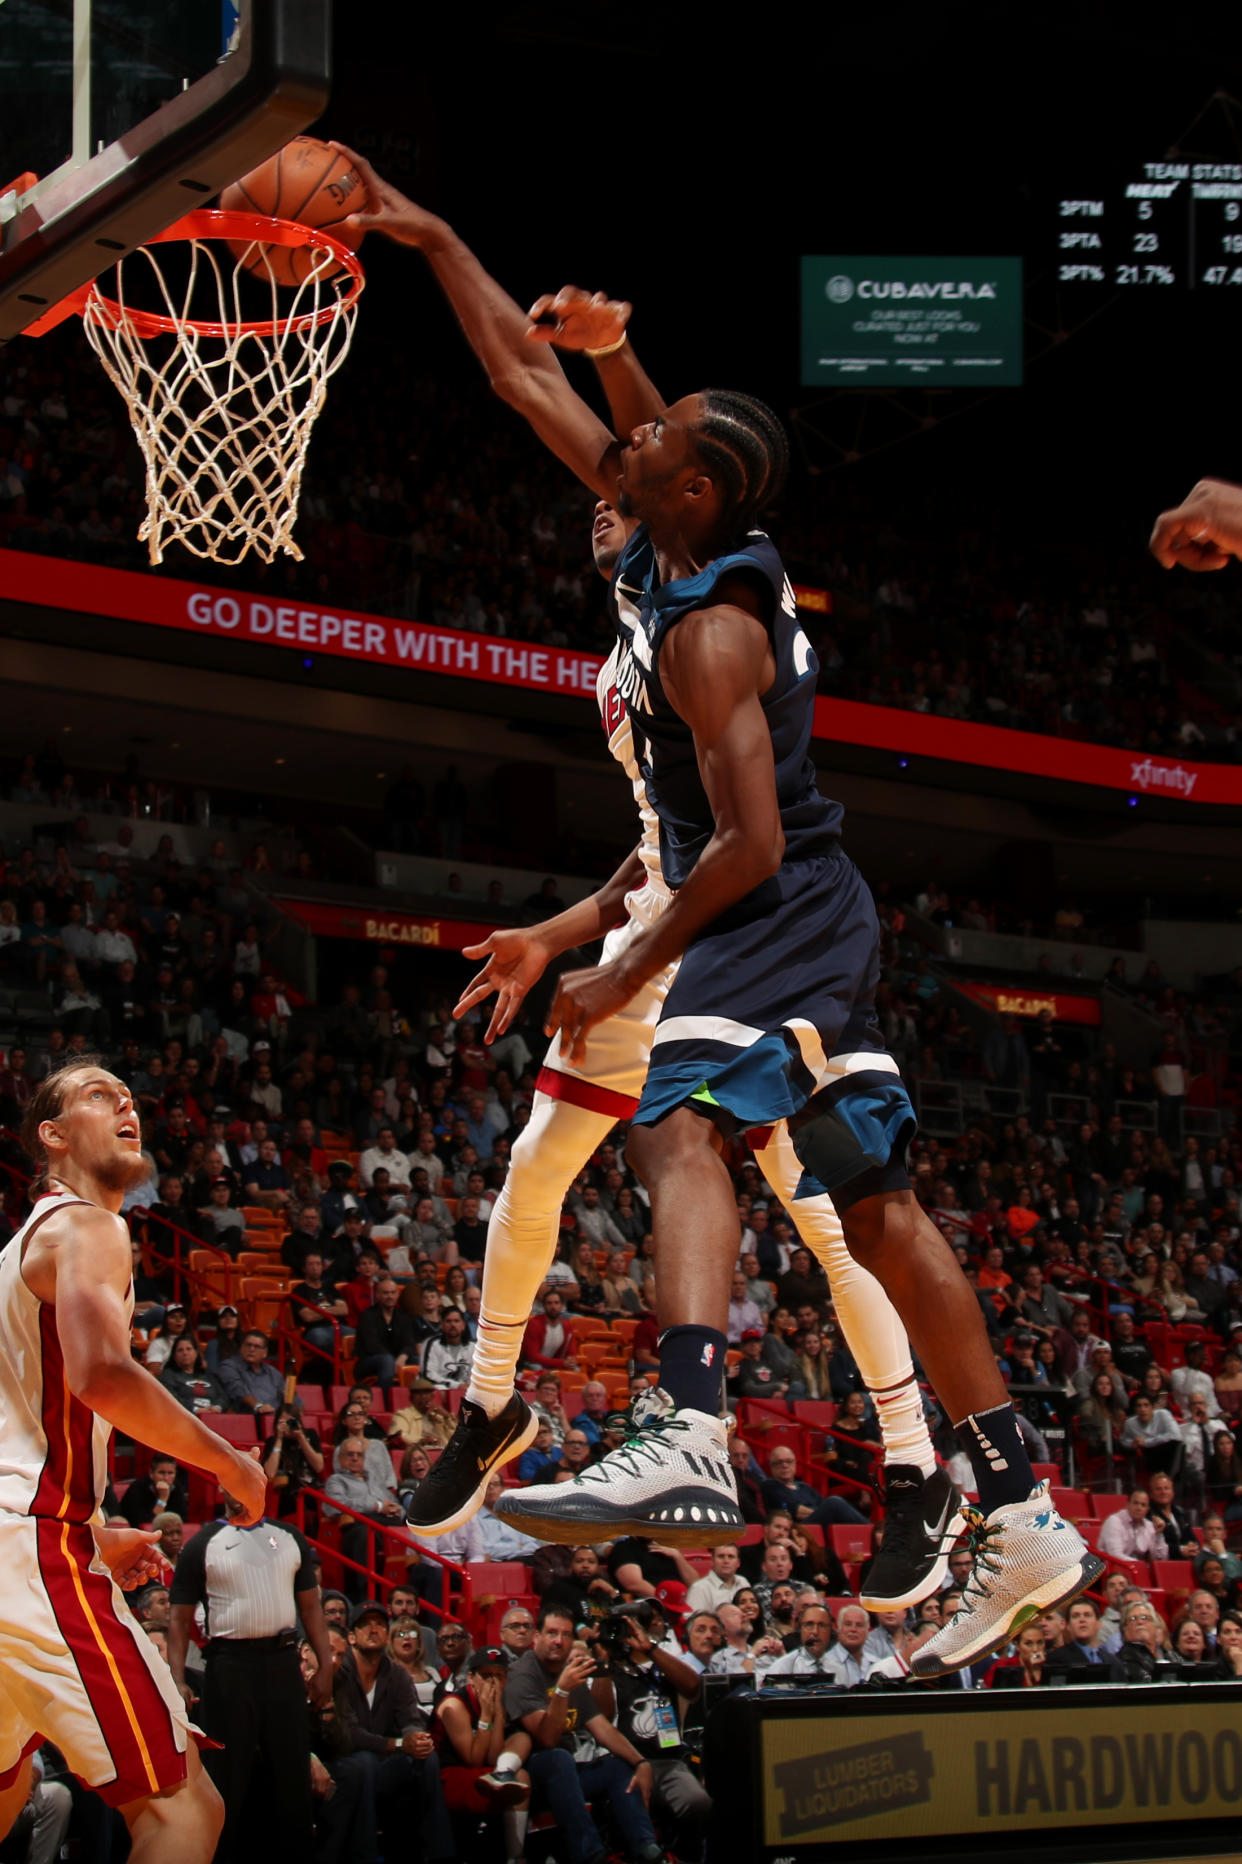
point(620, 734)
point(53, 1448)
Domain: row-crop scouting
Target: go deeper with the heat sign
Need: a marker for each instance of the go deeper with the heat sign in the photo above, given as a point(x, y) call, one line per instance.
point(945, 323)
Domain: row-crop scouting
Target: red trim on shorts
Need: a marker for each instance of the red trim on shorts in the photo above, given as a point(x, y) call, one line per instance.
point(10, 1774)
point(66, 1489)
point(758, 1137)
point(129, 1707)
point(579, 1093)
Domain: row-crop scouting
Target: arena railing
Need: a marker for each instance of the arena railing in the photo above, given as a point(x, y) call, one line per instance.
point(455, 1574)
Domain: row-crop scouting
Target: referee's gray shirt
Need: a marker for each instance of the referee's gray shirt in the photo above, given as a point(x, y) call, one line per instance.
point(245, 1578)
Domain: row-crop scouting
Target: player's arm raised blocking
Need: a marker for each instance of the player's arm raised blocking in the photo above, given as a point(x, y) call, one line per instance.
point(526, 374)
point(580, 320)
point(81, 1263)
point(518, 956)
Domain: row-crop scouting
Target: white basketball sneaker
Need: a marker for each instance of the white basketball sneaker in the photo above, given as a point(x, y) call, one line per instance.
point(1026, 1559)
point(671, 1480)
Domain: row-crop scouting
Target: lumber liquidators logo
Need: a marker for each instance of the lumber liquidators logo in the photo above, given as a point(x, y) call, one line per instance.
point(847, 1784)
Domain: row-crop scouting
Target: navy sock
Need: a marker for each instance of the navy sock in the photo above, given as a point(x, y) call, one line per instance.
point(692, 1363)
point(1002, 1467)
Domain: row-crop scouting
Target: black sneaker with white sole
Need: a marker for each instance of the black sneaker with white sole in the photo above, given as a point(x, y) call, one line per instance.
point(671, 1480)
point(476, 1450)
point(922, 1521)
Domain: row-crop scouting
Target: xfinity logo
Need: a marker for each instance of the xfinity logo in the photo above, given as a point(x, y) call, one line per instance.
point(1163, 777)
point(840, 289)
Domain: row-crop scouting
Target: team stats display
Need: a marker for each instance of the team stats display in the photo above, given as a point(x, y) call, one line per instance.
point(882, 322)
point(1162, 224)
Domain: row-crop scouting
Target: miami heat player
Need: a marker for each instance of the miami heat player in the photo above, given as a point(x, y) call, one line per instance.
point(75, 1667)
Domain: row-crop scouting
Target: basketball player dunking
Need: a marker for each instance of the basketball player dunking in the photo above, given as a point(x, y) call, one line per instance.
point(771, 1013)
point(75, 1667)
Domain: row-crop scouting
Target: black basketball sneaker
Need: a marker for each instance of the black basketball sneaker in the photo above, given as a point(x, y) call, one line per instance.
point(923, 1519)
point(476, 1450)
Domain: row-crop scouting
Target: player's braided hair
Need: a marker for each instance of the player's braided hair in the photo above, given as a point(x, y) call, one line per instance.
point(47, 1103)
point(743, 444)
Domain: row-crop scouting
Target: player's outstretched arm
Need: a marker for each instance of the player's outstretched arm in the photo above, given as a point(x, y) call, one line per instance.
point(1204, 531)
point(518, 956)
point(715, 664)
point(525, 374)
point(83, 1266)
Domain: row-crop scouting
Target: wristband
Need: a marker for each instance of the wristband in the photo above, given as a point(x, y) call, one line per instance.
point(485, 1728)
point(610, 349)
point(558, 1691)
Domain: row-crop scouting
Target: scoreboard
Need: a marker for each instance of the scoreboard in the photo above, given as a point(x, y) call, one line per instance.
point(1170, 223)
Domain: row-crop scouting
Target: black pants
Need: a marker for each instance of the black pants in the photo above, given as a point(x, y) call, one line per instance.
point(254, 1704)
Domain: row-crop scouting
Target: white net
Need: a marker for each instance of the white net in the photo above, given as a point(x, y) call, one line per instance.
point(222, 404)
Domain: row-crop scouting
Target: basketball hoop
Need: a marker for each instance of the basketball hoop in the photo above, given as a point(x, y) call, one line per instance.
point(222, 404)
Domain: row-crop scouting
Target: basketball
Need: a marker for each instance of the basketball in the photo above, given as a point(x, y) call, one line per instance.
point(306, 181)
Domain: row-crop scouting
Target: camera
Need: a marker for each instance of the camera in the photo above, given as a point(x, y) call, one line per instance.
point(614, 1625)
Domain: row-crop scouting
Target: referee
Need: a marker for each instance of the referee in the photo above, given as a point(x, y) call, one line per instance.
point(254, 1583)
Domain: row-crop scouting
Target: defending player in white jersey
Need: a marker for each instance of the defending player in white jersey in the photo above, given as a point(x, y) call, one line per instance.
point(75, 1666)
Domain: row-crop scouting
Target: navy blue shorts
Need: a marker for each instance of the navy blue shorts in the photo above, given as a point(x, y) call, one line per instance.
point(774, 1003)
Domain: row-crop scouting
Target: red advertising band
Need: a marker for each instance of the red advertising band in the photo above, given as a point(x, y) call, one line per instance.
point(382, 928)
point(163, 602)
point(1007, 1000)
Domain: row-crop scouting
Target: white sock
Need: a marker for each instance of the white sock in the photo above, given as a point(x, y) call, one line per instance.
point(873, 1331)
point(514, 1824)
point(507, 1762)
point(521, 1237)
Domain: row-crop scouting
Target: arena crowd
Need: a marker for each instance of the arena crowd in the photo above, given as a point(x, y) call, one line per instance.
point(308, 1249)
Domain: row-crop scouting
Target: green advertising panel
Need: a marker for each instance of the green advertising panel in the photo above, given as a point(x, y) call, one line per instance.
point(948, 323)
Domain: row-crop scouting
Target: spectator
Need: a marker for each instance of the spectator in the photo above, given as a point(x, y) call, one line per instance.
point(385, 1340)
point(161, 1490)
point(577, 1753)
point(537, 1462)
point(371, 1504)
point(812, 1657)
point(447, 1360)
point(189, 1381)
point(722, 1584)
point(549, 1338)
point(267, 1182)
point(251, 1383)
point(1028, 1669)
point(1130, 1534)
point(421, 1421)
point(638, 1689)
point(387, 1725)
point(293, 1457)
point(785, 1489)
point(1151, 1433)
point(500, 1541)
point(479, 1768)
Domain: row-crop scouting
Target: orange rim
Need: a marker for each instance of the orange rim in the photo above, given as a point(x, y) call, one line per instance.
point(216, 223)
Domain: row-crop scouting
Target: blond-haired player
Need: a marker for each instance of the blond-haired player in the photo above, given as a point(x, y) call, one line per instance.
point(75, 1667)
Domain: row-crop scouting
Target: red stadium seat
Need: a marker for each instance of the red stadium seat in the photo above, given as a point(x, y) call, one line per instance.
point(236, 1430)
point(1074, 1504)
point(1137, 1570)
point(851, 1541)
point(1104, 1505)
point(1174, 1575)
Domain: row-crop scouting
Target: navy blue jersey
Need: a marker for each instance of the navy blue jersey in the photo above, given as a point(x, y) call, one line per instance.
point(663, 742)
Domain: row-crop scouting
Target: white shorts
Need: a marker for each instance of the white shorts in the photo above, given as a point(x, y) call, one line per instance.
point(77, 1669)
point(610, 1079)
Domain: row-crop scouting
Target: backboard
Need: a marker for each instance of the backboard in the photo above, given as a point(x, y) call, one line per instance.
point(131, 113)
